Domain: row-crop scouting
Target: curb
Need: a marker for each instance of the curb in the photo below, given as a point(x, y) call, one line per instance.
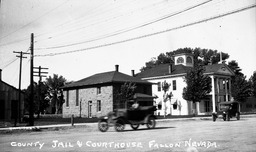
point(37, 128)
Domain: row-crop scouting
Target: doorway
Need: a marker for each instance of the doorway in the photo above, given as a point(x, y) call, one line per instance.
point(90, 109)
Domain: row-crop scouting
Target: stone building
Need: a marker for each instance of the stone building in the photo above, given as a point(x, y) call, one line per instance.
point(173, 74)
point(94, 95)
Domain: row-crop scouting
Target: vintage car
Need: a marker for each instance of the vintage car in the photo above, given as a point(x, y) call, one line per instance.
point(135, 116)
point(227, 110)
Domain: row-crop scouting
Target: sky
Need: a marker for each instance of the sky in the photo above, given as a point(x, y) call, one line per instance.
point(79, 38)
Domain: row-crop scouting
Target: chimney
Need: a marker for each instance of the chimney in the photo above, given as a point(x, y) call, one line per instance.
point(0, 74)
point(117, 68)
point(170, 68)
point(221, 57)
point(133, 74)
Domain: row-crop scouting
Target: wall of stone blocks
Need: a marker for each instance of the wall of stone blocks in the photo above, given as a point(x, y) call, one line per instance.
point(86, 95)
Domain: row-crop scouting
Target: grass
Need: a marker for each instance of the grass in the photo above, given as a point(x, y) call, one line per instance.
point(48, 120)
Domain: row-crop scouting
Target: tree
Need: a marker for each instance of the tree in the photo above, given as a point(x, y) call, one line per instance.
point(252, 80)
point(241, 88)
point(41, 101)
point(201, 56)
point(39, 107)
point(166, 96)
point(198, 85)
point(236, 69)
point(27, 98)
point(55, 94)
point(126, 92)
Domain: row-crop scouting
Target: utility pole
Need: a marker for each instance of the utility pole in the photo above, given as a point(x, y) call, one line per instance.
point(31, 102)
point(19, 103)
point(39, 85)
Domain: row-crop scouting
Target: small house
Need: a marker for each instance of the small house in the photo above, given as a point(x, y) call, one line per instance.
point(94, 96)
point(10, 106)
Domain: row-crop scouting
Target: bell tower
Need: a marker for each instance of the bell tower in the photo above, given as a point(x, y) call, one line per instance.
point(185, 59)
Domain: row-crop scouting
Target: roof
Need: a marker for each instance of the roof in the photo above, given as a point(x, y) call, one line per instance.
point(228, 102)
point(141, 95)
point(219, 69)
point(1, 81)
point(163, 70)
point(106, 77)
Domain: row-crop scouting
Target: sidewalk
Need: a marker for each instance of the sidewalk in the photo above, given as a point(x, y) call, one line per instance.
point(35, 128)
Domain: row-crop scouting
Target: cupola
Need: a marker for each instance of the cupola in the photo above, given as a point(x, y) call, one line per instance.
point(184, 58)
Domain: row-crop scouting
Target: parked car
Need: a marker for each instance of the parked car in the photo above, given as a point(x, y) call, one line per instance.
point(227, 110)
point(132, 115)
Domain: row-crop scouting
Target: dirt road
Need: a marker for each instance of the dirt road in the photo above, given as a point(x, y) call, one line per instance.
point(192, 135)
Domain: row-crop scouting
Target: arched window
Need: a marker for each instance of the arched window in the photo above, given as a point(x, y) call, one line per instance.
point(189, 59)
point(180, 60)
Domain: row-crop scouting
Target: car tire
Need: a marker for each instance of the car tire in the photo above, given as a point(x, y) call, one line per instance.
point(151, 123)
point(135, 126)
point(119, 125)
point(103, 125)
point(238, 116)
point(227, 117)
point(224, 117)
point(214, 118)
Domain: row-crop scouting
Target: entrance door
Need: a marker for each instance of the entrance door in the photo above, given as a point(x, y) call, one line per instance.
point(2, 109)
point(90, 109)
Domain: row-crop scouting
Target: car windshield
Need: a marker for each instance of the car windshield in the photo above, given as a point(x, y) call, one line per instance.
point(223, 107)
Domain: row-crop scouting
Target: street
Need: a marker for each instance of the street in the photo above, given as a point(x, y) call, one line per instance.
point(175, 135)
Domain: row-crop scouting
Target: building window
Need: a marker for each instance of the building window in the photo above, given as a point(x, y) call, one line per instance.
point(159, 86)
point(174, 86)
point(67, 99)
point(77, 97)
point(207, 106)
point(180, 60)
point(98, 106)
point(98, 90)
point(189, 60)
point(224, 98)
point(175, 105)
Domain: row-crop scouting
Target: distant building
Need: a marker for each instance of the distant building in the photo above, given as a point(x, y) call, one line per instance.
point(94, 95)
point(173, 74)
point(10, 108)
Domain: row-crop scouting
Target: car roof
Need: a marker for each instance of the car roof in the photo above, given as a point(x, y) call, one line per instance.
point(228, 102)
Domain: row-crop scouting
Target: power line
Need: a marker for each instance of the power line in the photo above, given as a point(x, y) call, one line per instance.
point(12, 61)
point(152, 34)
point(33, 20)
point(130, 29)
point(39, 35)
point(70, 22)
point(96, 22)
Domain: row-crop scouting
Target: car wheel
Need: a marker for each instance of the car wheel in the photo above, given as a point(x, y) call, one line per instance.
point(237, 116)
point(214, 118)
point(151, 122)
point(227, 117)
point(119, 125)
point(135, 126)
point(224, 117)
point(103, 125)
